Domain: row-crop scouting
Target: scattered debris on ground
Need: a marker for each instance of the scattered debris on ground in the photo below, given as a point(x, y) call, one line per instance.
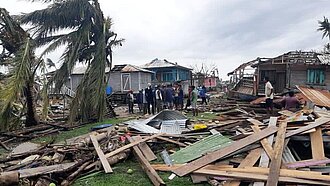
point(240, 144)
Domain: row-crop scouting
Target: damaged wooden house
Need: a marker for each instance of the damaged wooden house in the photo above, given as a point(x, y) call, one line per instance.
point(284, 71)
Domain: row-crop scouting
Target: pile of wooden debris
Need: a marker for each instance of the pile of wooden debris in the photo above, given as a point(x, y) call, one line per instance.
point(236, 147)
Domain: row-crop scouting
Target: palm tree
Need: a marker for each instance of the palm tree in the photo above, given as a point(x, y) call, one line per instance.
point(89, 41)
point(324, 26)
point(18, 55)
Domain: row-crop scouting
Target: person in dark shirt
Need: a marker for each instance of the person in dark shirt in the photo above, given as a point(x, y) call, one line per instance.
point(180, 97)
point(139, 100)
point(130, 99)
point(169, 96)
point(150, 99)
point(188, 104)
point(290, 102)
point(202, 94)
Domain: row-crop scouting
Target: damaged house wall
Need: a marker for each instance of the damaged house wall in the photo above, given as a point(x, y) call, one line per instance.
point(294, 68)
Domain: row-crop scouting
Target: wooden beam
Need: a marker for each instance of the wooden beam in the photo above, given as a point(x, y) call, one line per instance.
point(103, 159)
point(254, 121)
point(152, 174)
point(264, 142)
point(253, 176)
point(276, 160)
point(317, 144)
point(306, 163)
point(248, 161)
point(256, 174)
point(131, 145)
point(147, 152)
point(218, 154)
point(24, 173)
point(311, 125)
point(172, 141)
point(264, 159)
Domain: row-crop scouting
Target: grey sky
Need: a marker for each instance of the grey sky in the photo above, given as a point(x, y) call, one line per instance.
point(225, 33)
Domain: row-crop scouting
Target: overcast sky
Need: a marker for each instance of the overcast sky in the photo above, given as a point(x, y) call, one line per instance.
point(225, 33)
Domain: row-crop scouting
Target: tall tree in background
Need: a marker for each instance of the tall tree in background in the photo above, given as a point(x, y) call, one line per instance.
point(324, 26)
point(89, 41)
point(17, 92)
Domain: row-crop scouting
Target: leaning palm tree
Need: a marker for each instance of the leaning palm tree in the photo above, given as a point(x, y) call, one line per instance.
point(89, 40)
point(18, 55)
point(324, 26)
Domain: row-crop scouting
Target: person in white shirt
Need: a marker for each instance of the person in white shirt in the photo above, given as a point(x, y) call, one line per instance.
point(269, 93)
point(159, 99)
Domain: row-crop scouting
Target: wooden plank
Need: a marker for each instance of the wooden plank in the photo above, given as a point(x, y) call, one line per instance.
point(197, 178)
point(264, 159)
point(306, 163)
point(172, 141)
point(307, 175)
point(152, 174)
point(264, 142)
point(248, 161)
point(254, 121)
point(24, 173)
point(147, 152)
point(256, 174)
point(317, 144)
point(257, 177)
point(286, 113)
point(276, 160)
point(131, 145)
point(311, 125)
point(213, 156)
point(103, 159)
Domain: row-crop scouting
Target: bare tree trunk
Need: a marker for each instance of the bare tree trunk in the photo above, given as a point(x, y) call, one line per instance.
point(31, 115)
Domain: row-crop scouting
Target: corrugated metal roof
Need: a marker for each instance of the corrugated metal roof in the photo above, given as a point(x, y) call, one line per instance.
point(287, 156)
point(139, 125)
point(129, 68)
point(198, 149)
point(157, 63)
point(170, 127)
point(317, 96)
point(324, 59)
point(170, 115)
point(82, 69)
point(168, 118)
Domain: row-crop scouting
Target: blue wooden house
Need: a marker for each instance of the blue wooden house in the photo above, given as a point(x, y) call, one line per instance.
point(168, 72)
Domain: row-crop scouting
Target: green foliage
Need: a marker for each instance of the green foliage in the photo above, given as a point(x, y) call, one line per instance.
point(20, 74)
point(89, 40)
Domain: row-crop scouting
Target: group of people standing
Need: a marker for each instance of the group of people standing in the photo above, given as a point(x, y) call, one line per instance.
point(153, 100)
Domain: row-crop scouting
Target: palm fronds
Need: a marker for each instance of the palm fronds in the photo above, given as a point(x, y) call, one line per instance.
point(89, 40)
point(17, 82)
point(324, 26)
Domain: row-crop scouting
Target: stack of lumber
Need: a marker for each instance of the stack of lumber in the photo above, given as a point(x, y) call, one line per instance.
point(268, 159)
